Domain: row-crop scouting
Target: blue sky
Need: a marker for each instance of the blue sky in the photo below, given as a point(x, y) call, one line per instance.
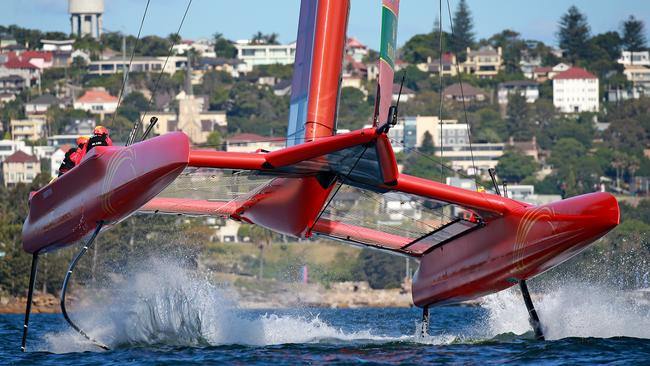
point(239, 19)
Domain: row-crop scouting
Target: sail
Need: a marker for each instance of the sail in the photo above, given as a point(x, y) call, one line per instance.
point(317, 69)
point(387, 49)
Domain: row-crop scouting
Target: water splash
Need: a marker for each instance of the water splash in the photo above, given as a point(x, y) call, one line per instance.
point(570, 310)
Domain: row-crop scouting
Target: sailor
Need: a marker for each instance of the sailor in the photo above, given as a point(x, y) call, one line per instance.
point(81, 150)
point(100, 138)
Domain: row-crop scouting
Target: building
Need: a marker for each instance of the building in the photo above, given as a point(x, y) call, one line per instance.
point(541, 74)
point(40, 104)
point(60, 140)
point(250, 142)
point(23, 68)
point(406, 95)
point(640, 58)
point(57, 158)
point(467, 93)
point(202, 47)
point(265, 54)
point(97, 101)
point(116, 64)
point(529, 64)
point(8, 147)
point(232, 66)
point(12, 84)
point(355, 49)
point(31, 128)
point(575, 90)
point(86, 17)
point(62, 51)
point(526, 88)
point(485, 62)
point(449, 67)
point(639, 76)
point(80, 127)
point(20, 167)
point(528, 148)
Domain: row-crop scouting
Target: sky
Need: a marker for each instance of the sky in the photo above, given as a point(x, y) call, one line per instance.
point(239, 19)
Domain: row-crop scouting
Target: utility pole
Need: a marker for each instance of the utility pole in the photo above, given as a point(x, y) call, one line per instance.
point(125, 72)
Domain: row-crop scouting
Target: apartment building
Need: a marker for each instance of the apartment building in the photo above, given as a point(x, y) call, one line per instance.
point(485, 62)
point(265, 54)
point(575, 90)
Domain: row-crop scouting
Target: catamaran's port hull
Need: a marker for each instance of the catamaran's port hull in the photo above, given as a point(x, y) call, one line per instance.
point(108, 185)
point(513, 247)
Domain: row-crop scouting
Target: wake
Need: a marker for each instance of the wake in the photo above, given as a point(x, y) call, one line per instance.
point(163, 303)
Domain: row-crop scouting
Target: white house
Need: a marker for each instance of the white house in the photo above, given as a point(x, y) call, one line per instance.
point(640, 58)
point(8, 147)
point(20, 167)
point(97, 101)
point(575, 90)
point(265, 54)
point(526, 88)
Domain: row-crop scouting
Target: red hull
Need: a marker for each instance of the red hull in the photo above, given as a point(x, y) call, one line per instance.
point(516, 246)
point(108, 185)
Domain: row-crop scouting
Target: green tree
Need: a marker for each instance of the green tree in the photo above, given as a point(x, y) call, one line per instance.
point(381, 270)
point(214, 140)
point(223, 47)
point(427, 144)
point(633, 34)
point(518, 120)
point(463, 30)
point(573, 33)
point(514, 166)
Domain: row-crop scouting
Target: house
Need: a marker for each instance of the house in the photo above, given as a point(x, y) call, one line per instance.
point(526, 88)
point(62, 51)
point(7, 97)
point(372, 71)
point(575, 90)
point(485, 62)
point(467, 93)
point(528, 64)
point(406, 95)
point(265, 54)
point(541, 74)
point(449, 67)
point(57, 158)
point(639, 76)
point(12, 84)
point(8, 147)
point(282, 88)
point(20, 167)
point(250, 142)
point(80, 127)
point(115, 64)
point(16, 66)
point(355, 49)
point(353, 81)
point(640, 58)
point(232, 66)
point(31, 128)
point(528, 148)
point(40, 104)
point(352, 67)
point(202, 47)
point(559, 68)
point(40, 59)
point(97, 101)
point(60, 140)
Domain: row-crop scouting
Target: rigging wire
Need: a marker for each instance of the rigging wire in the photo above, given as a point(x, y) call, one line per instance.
point(462, 94)
point(128, 69)
point(442, 173)
point(162, 70)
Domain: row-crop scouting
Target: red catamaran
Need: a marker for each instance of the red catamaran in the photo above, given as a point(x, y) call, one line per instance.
point(502, 242)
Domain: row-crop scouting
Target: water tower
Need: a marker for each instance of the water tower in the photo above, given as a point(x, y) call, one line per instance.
point(86, 17)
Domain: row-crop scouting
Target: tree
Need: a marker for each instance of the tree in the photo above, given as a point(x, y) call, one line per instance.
point(223, 47)
point(573, 33)
point(463, 30)
point(427, 144)
point(514, 166)
point(214, 140)
point(633, 35)
point(174, 38)
point(381, 270)
point(518, 119)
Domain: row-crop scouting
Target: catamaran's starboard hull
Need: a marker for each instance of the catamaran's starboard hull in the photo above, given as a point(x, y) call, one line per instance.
point(516, 246)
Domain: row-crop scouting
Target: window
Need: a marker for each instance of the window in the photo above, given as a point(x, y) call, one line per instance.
point(248, 52)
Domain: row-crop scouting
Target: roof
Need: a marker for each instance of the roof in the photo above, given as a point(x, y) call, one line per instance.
point(97, 96)
point(484, 51)
point(575, 73)
point(16, 63)
point(247, 137)
point(45, 99)
point(21, 157)
point(28, 55)
point(516, 83)
point(543, 69)
point(468, 90)
point(354, 43)
point(405, 90)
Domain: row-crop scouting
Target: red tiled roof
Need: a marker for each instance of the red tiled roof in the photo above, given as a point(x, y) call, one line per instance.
point(543, 69)
point(16, 63)
point(28, 55)
point(354, 43)
point(97, 96)
point(248, 137)
point(575, 73)
point(20, 157)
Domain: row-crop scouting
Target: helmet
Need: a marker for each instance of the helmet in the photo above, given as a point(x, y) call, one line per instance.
point(82, 140)
point(100, 130)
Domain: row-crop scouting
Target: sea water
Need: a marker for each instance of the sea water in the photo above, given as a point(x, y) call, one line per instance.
point(164, 314)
